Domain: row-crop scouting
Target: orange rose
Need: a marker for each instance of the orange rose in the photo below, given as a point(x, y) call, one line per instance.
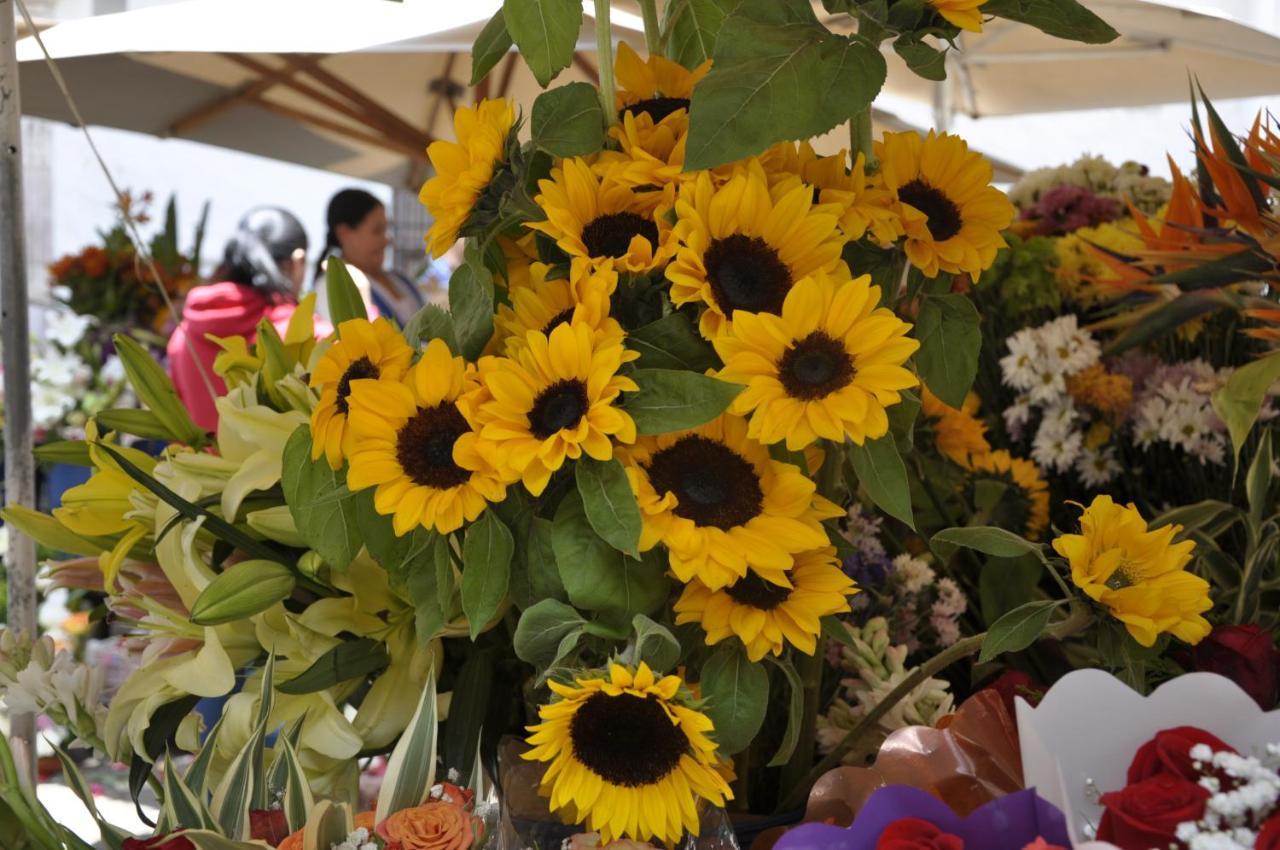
point(294, 842)
point(431, 826)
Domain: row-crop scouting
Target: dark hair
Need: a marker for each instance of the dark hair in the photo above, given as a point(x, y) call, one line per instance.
point(349, 207)
point(264, 239)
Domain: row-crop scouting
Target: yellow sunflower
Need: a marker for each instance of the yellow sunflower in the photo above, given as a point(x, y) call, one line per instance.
point(958, 432)
point(412, 443)
point(1026, 503)
point(742, 247)
point(601, 219)
point(721, 504)
point(826, 368)
point(629, 755)
point(657, 87)
point(951, 213)
point(649, 159)
point(555, 398)
point(542, 305)
point(363, 350)
point(766, 616)
point(965, 14)
point(866, 205)
point(1139, 574)
point(465, 168)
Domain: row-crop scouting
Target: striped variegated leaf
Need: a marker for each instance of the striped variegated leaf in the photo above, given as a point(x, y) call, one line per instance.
point(297, 797)
point(233, 797)
point(330, 823)
point(411, 771)
point(183, 809)
point(207, 839)
point(199, 769)
point(113, 836)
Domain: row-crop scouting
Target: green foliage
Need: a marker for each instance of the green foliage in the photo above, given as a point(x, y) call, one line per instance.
point(345, 302)
point(431, 322)
point(1021, 282)
point(486, 553)
point(950, 339)
point(691, 27)
point(990, 541)
point(543, 630)
point(609, 502)
point(795, 713)
point(568, 121)
point(247, 588)
point(138, 422)
point(471, 303)
point(411, 770)
point(351, 659)
point(1239, 401)
point(491, 45)
point(655, 644)
point(1060, 18)
point(671, 400)
point(737, 695)
point(1018, 629)
point(319, 501)
point(883, 475)
point(546, 32)
point(671, 342)
point(156, 391)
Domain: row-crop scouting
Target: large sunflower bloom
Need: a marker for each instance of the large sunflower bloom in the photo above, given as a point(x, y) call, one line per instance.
point(951, 213)
point(465, 168)
point(721, 504)
point(629, 755)
point(742, 247)
point(601, 220)
point(959, 434)
point(412, 443)
point(554, 399)
point(655, 87)
point(827, 367)
point(1026, 508)
point(542, 305)
point(965, 14)
point(866, 205)
point(363, 350)
point(1139, 575)
point(766, 616)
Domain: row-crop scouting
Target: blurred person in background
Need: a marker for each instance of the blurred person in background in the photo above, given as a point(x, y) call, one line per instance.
point(263, 268)
point(357, 233)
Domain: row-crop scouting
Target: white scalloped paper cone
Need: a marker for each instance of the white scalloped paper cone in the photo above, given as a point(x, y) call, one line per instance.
point(1090, 724)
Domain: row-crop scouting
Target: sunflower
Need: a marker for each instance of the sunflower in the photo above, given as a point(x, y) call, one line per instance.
point(951, 213)
point(826, 368)
point(742, 247)
point(1138, 574)
point(959, 434)
point(649, 159)
point(656, 88)
point(866, 204)
point(412, 443)
point(364, 350)
point(630, 755)
point(542, 305)
point(465, 168)
point(965, 14)
point(554, 399)
point(1025, 504)
point(766, 616)
point(720, 503)
point(601, 219)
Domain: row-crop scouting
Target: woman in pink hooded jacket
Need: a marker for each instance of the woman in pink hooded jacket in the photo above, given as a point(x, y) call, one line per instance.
point(262, 270)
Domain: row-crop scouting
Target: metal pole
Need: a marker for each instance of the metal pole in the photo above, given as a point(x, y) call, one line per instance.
point(19, 462)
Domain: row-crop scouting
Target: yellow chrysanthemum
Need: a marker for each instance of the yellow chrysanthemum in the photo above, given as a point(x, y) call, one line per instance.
point(629, 756)
point(1095, 387)
point(721, 504)
point(743, 246)
point(867, 207)
point(555, 399)
point(965, 14)
point(1138, 574)
point(827, 367)
point(412, 443)
point(601, 220)
point(958, 433)
point(465, 168)
point(542, 305)
point(951, 213)
point(767, 616)
point(1025, 505)
point(363, 350)
point(656, 87)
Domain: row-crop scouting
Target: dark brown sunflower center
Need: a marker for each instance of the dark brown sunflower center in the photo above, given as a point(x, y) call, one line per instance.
point(714, 485)
point(610, 235)
point(424, 447)
point(758, 593)
point(359, 370)
point(746, 274)
point(817, 366)
point(656, 108)
point(560, 405)
point(944, 216)
point(557, 320)
point(627, 740)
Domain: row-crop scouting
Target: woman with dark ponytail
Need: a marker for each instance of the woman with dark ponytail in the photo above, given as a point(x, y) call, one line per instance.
point(357, 232)
point(263, 267)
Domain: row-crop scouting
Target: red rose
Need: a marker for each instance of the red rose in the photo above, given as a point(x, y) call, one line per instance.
point(1269, 836)
point(917, 834)
point(158, 842)
point(269, 825)
point(1169, 753)
point(1147, 813)
point(1244, 654)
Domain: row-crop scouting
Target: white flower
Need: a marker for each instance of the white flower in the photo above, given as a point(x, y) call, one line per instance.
point(1097, 467)
point(65, 327)
point(112, 371)
point(1017, 416)
point(49, 405)
point(1048, 384)
point(1054, 448)
point(914, 573)
point(1018, 367)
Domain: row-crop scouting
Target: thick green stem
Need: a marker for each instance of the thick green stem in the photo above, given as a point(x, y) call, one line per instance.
point(809, 668)
point(860, 139)
point(604, 55)
point(652, 29)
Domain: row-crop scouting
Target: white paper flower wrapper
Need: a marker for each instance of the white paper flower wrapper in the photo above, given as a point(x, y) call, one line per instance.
point(1090, 724)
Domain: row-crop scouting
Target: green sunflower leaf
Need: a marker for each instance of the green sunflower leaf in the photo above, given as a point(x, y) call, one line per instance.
point(546, 31)
point(1059, 18)
point(795, 712)
point(491, 45)
point(672, 400)
point(471, 304)
point(541, 630)
point(1018, 629)
point(315, 495)
point(737, 695)
point(597, 576)
point(882, 473)
point(671, 342)
point(486, 571)
point(691, 28)
point(986, 539)
point(950, 338)
point(778, 75)
point(655, 644)
point(927, 61)
point(431, 322)
point(609, 502)
point(345, 302)
point(568, 121)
